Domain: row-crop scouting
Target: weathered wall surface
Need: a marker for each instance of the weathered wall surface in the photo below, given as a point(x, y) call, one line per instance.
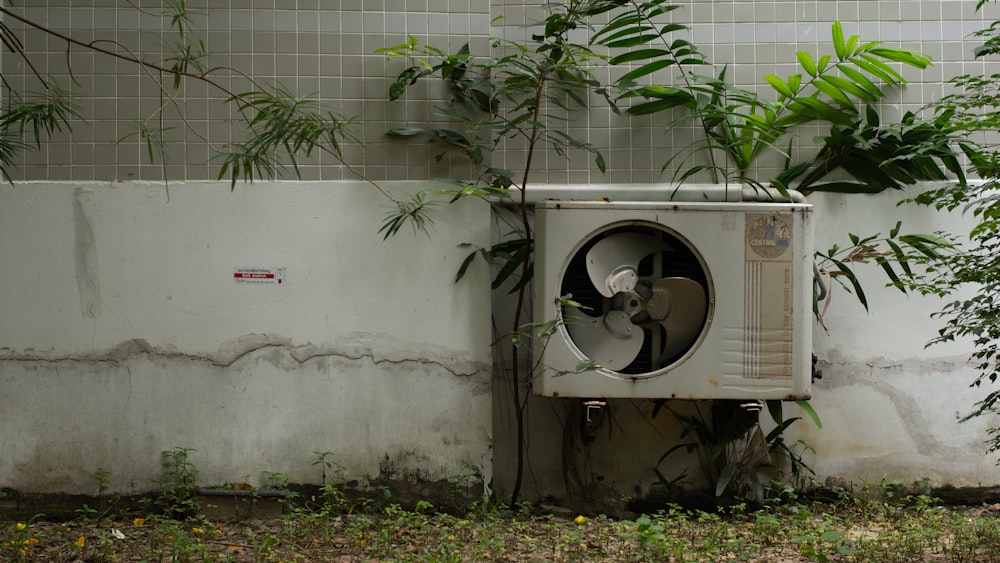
point(890, 405)
point(123, 333)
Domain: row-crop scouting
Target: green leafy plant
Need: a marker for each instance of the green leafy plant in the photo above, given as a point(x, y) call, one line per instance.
point(904, 258)
point(281, 127)
point(31, 117)
point(739, 126)
point(972, 111)
point(177, 493)
point(520, 96)
point(332, 482)
point(735, 456)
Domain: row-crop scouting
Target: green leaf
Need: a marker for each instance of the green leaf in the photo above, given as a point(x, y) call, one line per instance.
point(876, 67)
point(774, 407)
point(638, 55)
point(901, 257)
point(849, 274)
point(812, 108)
point(453, 138)
point(811, 412)
point(632, 41)
point(665, 100)
point(794, 81)
point(807, 63)
point(847, 86)
point(889, 271)
point(780, 429)
point(465, 266)
point(862, 81)
point(672, 27)
point(821, 64)
point(607, 32)
point(835, 94)
point(908, 57)
point(895, 230)
point(779, 85)
point(838, 41)
point(645, 69)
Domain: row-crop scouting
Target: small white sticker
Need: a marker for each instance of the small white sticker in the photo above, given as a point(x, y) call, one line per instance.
point(260, 276)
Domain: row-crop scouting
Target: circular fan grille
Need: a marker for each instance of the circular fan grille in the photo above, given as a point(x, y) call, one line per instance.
point(645, 295)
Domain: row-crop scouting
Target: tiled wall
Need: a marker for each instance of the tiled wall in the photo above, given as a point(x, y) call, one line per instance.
point(326, 48)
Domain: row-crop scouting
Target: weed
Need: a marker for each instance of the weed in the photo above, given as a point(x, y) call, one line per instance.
point(18, 541)
point(329, 466)
point(177, 494)
point(276, 481)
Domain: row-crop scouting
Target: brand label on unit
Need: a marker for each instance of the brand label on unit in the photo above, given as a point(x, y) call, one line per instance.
point(260, 276)
point(768, 234)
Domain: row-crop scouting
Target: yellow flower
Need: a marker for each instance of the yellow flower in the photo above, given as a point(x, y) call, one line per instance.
point(197, 531)
point(32, 541)
point(139, 522)
point(580, 519)
point(80, 542)
point(20, 525)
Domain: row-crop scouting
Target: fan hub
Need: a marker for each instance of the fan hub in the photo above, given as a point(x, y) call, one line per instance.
point(621, 280)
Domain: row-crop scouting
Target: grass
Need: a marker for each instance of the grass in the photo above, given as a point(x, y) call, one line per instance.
point(847, 528)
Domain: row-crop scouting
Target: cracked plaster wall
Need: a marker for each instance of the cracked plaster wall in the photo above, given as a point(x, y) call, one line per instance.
point(123, 333)
point(890, 405)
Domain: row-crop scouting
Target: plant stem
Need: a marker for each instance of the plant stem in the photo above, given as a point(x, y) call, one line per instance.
point(522, 292)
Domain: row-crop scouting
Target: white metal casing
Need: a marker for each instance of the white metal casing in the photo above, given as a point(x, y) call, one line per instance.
point(757, 340)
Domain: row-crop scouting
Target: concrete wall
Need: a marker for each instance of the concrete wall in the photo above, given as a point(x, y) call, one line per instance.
point(890, 405)
point(124, 334)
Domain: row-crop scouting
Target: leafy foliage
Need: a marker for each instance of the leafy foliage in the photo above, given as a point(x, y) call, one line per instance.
point(518, 94)
point(178, 484)
point(903, 257)
point(976, 318)
point(736, 457)
point(516, 97)
point(30, 118)
point(972, 113)
point(282, 128)
point(739, 126)
point(281, 124)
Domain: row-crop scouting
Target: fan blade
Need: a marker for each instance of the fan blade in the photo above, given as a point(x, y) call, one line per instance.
point(679, 304)
point(612, 341)
point(613, 262)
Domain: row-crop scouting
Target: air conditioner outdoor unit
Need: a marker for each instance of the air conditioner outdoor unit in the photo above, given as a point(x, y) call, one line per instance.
point(678, 299)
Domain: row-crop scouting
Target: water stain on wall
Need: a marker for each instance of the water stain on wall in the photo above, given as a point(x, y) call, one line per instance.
point(85, 256)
